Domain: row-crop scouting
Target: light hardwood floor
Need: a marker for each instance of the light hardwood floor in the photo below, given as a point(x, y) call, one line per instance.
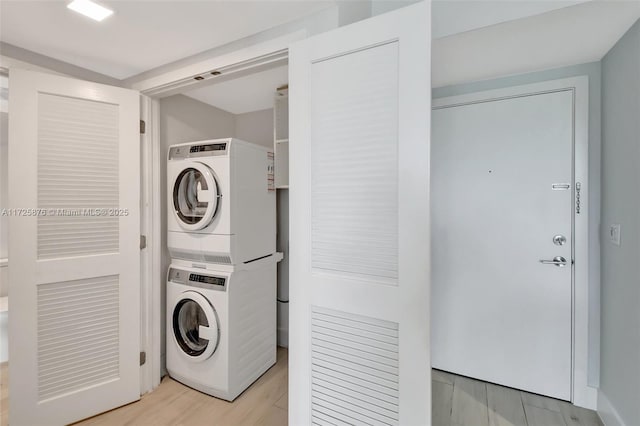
point(457, 401)
point(461, 401)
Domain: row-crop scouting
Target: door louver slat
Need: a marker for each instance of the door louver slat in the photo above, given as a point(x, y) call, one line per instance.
point(354, 173)
point(78, 168)
point(347, 388)
point(72, 356)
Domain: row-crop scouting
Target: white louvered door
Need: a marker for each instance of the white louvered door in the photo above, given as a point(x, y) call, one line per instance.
point(74, 276)
point(359, 214)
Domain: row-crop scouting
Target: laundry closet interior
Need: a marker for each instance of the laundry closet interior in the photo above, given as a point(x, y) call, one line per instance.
point(249, 108)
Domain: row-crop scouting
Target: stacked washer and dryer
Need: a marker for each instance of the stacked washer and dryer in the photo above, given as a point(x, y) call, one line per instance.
point(221, 285)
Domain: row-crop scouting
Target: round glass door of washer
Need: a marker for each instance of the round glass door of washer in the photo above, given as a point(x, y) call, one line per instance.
point(195, 197)
point(195, 326)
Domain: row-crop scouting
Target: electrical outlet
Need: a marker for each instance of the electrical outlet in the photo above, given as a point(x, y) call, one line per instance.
point(614, 234)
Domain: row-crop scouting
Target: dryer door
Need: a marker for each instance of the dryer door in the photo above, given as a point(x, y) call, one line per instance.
point(195, 196)
point(195, 326)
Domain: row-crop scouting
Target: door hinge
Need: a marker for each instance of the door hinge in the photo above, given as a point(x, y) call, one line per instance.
point(143, 127)
point(143, 242)
point(143, 358)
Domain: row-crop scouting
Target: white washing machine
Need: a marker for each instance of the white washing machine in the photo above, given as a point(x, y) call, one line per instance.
point(221, 326)
point(222, 201)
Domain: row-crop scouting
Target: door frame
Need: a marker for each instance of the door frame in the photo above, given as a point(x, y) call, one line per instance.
point(582, 394)
point(151, 255)
point(270, 53)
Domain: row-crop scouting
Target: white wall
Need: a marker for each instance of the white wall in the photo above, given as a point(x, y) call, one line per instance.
point(4, 142)
point(593, 71)
point(283, 267)
point(13, 56)
point(4, 187)
point(183, 119)
point(256, 127)
point(4, 338)
point(620, 375)
point(378, 7)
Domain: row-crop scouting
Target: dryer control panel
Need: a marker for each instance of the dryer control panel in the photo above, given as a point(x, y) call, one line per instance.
point(200, 150)
point(210, 282)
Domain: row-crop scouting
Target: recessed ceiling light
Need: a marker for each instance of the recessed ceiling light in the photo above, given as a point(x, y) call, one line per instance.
point(90, 9)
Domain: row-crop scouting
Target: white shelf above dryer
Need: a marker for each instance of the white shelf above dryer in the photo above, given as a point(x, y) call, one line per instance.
point(281, 137)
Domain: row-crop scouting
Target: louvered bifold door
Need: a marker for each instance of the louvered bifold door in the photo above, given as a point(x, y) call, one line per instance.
point(359, 215)
point(73, 248)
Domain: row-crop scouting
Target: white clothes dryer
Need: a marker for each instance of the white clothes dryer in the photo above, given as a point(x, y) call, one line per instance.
point(221, 326)
point(221, 201)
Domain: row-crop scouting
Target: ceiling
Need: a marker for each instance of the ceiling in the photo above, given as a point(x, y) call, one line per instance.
point(541, 35)
point(572, 35)
point(473, 39)
point(452, 17)
point(254, 92)
point(141, 35)
point(146, 34)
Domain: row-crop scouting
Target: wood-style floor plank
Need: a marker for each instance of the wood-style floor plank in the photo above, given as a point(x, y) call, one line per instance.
point(456, 401)
point(275, 416)
point(469, 403)
point(174, 404)
point(578, 416)
point(442, 376)
point(537, 416)
point(283, 402)
point(442, 398)
point(540, 401)
point(505, 406)
point(250, 407)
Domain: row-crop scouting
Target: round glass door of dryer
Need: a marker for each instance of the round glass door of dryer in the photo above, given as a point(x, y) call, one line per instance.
point(195, 197)
point(195, 326)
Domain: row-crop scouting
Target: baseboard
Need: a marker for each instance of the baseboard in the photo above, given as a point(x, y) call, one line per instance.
point(163, 365)
point(283, 337)
point(283, 324)
point(607, 412)
point(586, 397)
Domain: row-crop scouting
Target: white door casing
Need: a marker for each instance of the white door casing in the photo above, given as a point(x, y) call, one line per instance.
point(75, 264)
point(498, 313)
point(359, 209)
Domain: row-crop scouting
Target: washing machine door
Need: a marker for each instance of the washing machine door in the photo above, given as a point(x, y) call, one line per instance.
point(195, 326)
point(195, 196)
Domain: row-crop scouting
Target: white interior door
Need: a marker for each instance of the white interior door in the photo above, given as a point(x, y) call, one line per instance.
point(502, 188)
point(359, 222)
point(74, 279)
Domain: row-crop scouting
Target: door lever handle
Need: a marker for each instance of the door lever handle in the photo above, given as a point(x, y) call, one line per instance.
point(559, 261)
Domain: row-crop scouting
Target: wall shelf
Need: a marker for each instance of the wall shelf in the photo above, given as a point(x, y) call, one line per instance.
point(281, 137)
